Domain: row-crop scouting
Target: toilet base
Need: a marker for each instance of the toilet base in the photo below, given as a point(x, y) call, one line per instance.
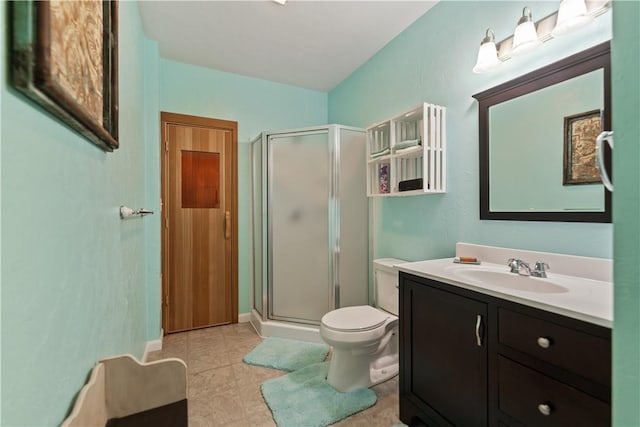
point(384, 369)
point(348, 371)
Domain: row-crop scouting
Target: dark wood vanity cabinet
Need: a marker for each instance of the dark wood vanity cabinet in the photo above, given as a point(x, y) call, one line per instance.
point(471, 360)
point(444, 359)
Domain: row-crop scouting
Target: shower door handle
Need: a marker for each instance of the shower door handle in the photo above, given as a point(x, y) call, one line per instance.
point(227, 225)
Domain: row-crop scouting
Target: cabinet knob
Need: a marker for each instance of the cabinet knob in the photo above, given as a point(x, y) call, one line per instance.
point(545, 409)
point(544, 342)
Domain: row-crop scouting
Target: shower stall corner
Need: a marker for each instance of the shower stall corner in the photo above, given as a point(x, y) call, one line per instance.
point(309, 228)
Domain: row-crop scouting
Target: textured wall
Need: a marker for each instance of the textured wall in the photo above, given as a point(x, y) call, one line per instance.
point(256, 105)
point(625, 57)
point(74, 274)
point(432, 61)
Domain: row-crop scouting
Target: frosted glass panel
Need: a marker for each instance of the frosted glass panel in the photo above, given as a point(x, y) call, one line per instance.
point(299, 203)
point(353, 274)
point(258, 266)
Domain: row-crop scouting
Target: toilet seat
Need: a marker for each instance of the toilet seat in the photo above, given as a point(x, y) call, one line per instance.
point(355, 319)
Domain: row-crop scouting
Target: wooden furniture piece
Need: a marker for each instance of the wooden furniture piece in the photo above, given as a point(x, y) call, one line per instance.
point(471, 360)
point(406, 155)
point(123, 392)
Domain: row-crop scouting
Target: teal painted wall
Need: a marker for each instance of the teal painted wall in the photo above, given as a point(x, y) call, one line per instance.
point(79, 284)
point(257, 105)
point(432, 61)
point(74, 282)
point(625, 57)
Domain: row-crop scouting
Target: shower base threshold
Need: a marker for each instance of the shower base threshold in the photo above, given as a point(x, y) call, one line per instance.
point(282, 329)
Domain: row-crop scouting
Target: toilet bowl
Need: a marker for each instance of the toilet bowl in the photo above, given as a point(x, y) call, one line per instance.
point(365, 338)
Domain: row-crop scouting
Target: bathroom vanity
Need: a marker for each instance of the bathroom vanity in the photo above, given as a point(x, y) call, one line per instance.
point(481, 346)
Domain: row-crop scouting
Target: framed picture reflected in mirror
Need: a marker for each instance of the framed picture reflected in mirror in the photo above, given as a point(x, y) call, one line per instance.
point(580, 133)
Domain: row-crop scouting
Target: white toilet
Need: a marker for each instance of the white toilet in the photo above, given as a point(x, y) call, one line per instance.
point(364, 338)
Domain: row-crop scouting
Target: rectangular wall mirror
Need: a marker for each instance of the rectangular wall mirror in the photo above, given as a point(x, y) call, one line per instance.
point(537, 142)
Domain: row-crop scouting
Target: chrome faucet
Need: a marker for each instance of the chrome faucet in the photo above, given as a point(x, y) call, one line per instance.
point(522, 268)
point(540, 269)
point(518, 265)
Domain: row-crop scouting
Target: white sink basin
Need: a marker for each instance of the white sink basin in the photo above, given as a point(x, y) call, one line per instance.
point(577, 287)
point(491, 276)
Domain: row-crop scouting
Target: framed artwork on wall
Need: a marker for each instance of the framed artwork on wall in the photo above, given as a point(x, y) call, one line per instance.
point(64, 57)
point(580, 133)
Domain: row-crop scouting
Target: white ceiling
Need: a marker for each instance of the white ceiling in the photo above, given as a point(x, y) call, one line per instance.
point(310, 44)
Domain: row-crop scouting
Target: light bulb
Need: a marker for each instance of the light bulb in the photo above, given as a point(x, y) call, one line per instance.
point(525, 37)
point(571, 16)
point(487, 54)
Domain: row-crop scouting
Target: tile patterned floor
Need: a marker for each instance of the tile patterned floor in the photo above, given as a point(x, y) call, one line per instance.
point(224, 391)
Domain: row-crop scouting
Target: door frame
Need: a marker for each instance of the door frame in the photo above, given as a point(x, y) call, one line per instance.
point(167, 118)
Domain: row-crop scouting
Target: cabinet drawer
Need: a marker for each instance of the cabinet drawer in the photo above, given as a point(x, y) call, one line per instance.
point(576, 351)
point(537, 400)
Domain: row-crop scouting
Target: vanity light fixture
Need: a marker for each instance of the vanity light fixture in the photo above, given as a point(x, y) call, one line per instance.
point(281, 2)
point(525, 37)
point(528, 35)
point(487, 54)
point(571, 16)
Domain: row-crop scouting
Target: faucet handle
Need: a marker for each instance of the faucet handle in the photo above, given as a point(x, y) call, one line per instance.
point(516, 264)
point(541, 268)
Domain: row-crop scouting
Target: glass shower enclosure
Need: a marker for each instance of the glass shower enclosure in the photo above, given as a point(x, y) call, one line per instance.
point(309, 222)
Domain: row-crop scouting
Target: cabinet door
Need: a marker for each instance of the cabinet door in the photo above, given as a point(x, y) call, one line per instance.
point(444, 356)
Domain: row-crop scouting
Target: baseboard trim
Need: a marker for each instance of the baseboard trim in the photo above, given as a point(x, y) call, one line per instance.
point(153, 345)
point(244, 317)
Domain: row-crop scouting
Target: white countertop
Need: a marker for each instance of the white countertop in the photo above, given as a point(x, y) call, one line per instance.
point(585, 299)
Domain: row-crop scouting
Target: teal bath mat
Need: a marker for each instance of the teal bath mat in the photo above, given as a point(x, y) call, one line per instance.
point(304, 398)
point(285, 354)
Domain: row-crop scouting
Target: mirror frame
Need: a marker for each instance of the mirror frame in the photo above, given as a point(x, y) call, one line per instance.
point(573, 66)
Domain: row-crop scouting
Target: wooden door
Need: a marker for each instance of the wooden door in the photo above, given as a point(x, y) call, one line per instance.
point(199, 230)
point(443, 367)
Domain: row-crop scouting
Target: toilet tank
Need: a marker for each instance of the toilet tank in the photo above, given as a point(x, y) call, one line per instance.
point(385, 283)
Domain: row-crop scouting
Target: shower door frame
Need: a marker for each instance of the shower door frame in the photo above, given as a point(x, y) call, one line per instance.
point(332, 213)
point(335, 237)
point(261, 140)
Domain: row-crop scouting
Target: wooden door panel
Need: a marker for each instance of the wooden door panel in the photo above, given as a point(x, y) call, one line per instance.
point(179, 280)
point(198, 237)
point(447, 364)
point(198, 189)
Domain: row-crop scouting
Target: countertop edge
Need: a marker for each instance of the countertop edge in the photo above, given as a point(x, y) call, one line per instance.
point(607, 323)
